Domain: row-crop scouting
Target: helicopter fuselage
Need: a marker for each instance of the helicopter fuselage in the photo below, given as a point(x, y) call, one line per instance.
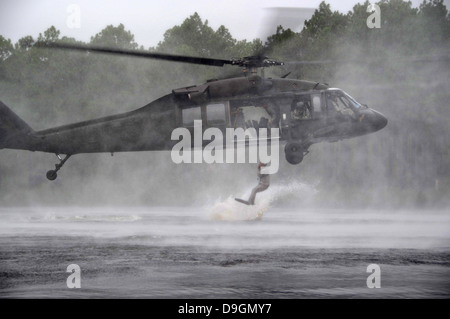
point(304, 112)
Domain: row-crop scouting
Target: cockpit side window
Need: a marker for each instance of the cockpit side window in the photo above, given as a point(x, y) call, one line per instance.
point(335, 102)
point(339, 102)
point(216, 114)
point(352, 102)
point(191, 114)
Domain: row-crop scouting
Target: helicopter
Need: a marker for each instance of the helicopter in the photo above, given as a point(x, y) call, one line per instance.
point(304, 112)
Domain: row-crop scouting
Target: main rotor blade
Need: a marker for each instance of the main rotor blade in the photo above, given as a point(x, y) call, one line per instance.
point(310, 62)
point(413, 59)
point(137, 53)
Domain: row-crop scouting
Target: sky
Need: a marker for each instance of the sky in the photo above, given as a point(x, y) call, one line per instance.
point(149, 19)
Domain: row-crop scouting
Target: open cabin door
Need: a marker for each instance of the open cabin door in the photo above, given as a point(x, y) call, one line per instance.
point(254, 115)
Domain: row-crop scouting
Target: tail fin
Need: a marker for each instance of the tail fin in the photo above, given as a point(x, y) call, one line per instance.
point(13, 130)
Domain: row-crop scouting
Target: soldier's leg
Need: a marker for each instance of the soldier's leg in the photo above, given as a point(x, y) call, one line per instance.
point(257, 189)
point(251, 199)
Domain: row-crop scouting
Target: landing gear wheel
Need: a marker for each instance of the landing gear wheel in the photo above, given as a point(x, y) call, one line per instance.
point(52, 175)
point(294, 153)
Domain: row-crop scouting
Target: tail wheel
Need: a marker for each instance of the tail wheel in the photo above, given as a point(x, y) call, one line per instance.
point(294, 153)
point(52, 175)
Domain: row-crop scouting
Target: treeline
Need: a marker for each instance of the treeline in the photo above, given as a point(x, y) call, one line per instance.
point(400, 69)
point(42, 72)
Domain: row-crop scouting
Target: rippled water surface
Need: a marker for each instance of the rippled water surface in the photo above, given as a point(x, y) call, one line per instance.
point(222, 252)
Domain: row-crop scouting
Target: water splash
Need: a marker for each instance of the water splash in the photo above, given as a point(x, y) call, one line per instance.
point(231, 210)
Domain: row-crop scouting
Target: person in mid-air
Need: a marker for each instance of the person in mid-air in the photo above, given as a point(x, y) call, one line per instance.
point(264, 182)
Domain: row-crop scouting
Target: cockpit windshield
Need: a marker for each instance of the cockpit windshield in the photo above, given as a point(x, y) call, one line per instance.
point(353, 102)
point(341, 100)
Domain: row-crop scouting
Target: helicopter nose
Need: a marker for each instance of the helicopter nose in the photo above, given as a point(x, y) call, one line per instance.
point(377, 120)
point(372, 121)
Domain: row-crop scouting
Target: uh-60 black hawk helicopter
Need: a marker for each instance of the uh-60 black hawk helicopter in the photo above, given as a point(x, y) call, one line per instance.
point(305, 113)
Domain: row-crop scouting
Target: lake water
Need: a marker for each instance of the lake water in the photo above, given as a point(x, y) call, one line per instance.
point(217, 251)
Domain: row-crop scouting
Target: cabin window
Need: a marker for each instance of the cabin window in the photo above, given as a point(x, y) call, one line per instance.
point(190, 115)
point(316, 103)
point(216, 114)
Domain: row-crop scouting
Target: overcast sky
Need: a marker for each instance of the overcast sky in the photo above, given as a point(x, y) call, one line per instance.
point(149, 19)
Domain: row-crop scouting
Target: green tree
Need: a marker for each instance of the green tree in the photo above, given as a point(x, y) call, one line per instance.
point(50, 35)
point(279, 39)
point(6, 48)
point(322, 31)
point(25, 43)
point(436, 19)
point(196, 37)
point(115, 37)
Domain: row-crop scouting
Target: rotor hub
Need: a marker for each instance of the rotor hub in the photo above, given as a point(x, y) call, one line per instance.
point(251, 62)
